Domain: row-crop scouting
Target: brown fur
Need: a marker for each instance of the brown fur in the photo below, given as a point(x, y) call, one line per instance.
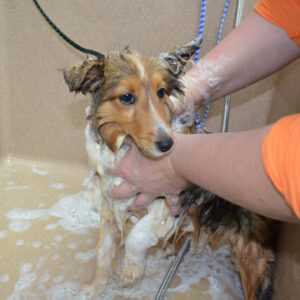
point(120, 74)
point(146, 121)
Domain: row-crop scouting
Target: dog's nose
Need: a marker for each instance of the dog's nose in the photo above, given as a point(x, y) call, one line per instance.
point(164, 144)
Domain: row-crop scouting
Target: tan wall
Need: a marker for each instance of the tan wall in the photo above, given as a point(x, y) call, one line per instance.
point(41, 120)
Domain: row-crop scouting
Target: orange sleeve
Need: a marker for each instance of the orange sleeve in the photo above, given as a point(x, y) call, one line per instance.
point(281, 159)
point(284, 13)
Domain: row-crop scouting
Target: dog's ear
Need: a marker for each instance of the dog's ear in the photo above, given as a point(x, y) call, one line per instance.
point(85, 77)
point(176, 59)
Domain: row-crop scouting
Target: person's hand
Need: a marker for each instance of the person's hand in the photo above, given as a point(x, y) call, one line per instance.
point(147, 178)
point(199, 85)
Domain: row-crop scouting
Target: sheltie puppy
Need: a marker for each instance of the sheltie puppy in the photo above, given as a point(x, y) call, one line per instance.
point(130, 106)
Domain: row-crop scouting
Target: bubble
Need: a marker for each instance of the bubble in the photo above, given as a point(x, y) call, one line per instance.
point(58, 238)
point(86, 256)
point(25, 267)
point(58, 186)
point(19, 242)
point(58, 279)
point(3, 234)
point(55, 257)
point(50, 226)
point(45, 277)
point(4, 278)
point(37, 244)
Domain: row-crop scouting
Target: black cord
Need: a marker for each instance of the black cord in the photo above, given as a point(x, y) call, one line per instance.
point(67, 39)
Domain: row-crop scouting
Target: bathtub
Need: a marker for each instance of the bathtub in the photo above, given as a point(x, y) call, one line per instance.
point(48, 230)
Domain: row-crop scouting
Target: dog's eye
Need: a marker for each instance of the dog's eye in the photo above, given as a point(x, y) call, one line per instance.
point(127, 99)
point(161, 93)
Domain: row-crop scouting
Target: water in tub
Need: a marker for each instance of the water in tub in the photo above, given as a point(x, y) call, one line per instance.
point(48, 235)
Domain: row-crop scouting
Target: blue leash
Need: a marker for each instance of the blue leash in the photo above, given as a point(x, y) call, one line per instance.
point(199, 124)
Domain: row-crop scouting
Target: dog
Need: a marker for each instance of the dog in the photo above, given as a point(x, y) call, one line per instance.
point(130, 106)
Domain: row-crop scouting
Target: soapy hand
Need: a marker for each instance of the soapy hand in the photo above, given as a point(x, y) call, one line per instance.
point(147, 178)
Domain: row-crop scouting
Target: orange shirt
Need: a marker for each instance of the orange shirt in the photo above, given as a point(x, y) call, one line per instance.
point(284, 13)
point(281, 147)
point(281, 159)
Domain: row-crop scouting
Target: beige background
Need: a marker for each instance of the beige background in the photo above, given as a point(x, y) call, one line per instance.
point(41, 120)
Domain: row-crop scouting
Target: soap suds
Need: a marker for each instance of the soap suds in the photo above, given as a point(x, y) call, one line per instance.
point(38, 171)
point(19, 242)
point(58, 186)
point(4, 278)
point(59, 264)
point(86, 256)
point(207, 72)
point(74, 213)
point(37, 244)
point(3, 234)
point(216, 268)
point(20, 187)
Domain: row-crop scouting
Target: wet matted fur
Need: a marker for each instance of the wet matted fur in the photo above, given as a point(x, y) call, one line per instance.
point(130, 106)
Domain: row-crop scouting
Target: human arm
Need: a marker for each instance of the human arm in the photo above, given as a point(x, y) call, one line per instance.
point(235, 173)
point(249, 53)
point(254, 50)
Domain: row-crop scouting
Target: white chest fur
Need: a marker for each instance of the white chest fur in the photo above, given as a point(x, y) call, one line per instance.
point(157, 224)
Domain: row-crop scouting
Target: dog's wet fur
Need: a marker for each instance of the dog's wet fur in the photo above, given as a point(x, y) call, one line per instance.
point(130, 105)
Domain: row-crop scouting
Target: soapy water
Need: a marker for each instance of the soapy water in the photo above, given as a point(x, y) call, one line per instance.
point(217, 268)
point(68, 260)
point(74, 213)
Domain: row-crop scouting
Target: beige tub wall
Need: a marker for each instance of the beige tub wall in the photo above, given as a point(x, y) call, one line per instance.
point(45, 121)
point(41, 120)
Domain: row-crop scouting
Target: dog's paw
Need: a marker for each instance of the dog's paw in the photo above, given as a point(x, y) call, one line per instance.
point(131, 274)
point(90, 292)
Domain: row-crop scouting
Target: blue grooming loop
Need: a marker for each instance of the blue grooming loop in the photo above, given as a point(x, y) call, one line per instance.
point(199, 124)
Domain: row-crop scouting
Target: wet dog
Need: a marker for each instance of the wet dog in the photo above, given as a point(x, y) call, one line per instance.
point(130, 106)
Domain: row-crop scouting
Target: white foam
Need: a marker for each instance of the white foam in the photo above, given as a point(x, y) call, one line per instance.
point(58, 238)
point(25, 280)
point(37, 244)
point(67, 290)
point(58, 279)
point(74, 213)
point(4, 278)
point(39, 171)
point(90, 240)
point(25, 267)
point(27, 215)
point(45, 277)
point(86, 256)
point(50, 227)
point(19, 226)
point(58, 186)
point(216, 268)
point(56, 256)
point(40, 262)
point(17, 187)
point(22, 219)
point(19, 242)
point(3, 234)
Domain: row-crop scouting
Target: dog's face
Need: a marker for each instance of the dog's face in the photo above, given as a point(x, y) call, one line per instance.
point(131, 96)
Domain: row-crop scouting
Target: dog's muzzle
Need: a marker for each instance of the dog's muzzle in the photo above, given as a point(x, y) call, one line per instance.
point(164, 144)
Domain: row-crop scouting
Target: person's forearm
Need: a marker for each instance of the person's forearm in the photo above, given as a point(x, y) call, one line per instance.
point(230, 166)
point(254, 50)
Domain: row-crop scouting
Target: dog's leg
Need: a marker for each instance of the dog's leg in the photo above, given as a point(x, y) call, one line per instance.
point(157, 224)
point(106, 251)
